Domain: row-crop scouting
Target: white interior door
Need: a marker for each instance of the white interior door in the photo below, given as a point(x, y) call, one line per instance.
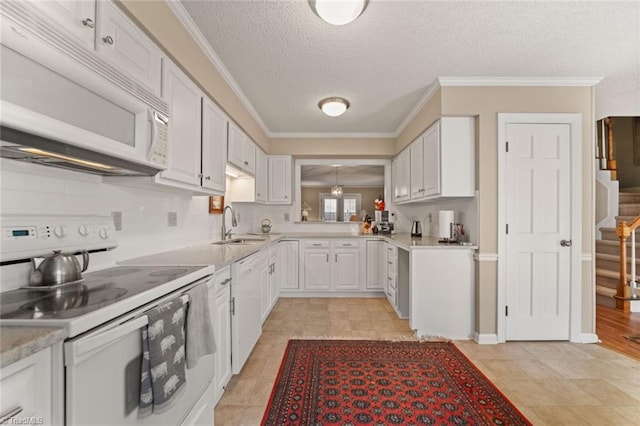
point(538, 219)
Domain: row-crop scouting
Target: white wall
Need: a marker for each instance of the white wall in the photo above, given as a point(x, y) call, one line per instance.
point(33, 189)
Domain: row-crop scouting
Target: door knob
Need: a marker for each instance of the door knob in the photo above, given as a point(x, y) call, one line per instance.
point(565, 243)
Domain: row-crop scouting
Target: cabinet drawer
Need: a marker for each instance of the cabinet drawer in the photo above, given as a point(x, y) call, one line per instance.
point(222, 279)
point(391, 296)
point(392, 282)
point(26, 387)
point(346, 243)
point(316, 244)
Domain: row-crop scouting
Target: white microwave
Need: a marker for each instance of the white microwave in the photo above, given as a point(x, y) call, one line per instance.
point(67, 96)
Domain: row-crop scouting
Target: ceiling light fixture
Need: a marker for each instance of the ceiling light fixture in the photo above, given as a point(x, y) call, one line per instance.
point(338, 12)
point(336, 190)
point(334, 107)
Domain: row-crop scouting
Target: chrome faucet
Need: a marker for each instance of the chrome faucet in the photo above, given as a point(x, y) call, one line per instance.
point(227, 234)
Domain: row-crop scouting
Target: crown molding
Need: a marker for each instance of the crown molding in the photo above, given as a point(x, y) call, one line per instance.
point(431, 90)
point(318, 135)
point(519, 81)
point(187, 22)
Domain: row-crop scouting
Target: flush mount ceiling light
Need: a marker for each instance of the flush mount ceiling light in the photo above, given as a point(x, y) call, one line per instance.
point(338, 12)
point(334, 107)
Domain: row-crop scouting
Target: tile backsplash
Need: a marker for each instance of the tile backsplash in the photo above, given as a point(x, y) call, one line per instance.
point(34, 189)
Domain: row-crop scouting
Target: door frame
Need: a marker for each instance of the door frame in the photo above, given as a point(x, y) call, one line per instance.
point(575, 297)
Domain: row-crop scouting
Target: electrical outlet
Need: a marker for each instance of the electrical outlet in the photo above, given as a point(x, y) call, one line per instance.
point(286, 217)
point(117, 220)
point(172, 219)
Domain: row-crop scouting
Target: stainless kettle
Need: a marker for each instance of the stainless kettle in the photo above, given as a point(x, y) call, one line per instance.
point(266, 226)
point(57, 268)
point(416, 229)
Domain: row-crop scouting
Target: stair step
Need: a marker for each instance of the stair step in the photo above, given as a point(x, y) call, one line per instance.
point(607, 301)
point(605, 291)
point(613, 247)
point(609, 234)
point(612, 262)
point(629, 209)
point(609, 278)
point(629, 197)
point(628, 219)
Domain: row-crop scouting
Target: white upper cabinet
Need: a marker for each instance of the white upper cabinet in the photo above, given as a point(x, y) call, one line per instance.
point(280, 167)
point(400, 172)
point(241, 150)
point(442, 162)
point(214, 146)
point(184, 99)
point(262, 172)
point(76, 17)
point(416, 154)
point(123, 44)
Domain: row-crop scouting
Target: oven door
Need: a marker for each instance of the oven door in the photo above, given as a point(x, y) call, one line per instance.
point(103, 377)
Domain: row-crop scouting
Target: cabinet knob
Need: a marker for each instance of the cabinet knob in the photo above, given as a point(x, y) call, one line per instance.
point(88, 23)
point(246, 163)
point(108, 39)
point(200, 175)
point(286, 196)
point(207, 178)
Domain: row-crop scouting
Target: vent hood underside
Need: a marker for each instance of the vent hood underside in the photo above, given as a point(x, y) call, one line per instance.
point(22, 146)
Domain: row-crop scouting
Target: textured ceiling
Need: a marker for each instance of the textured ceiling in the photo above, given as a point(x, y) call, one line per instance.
point(285, 59)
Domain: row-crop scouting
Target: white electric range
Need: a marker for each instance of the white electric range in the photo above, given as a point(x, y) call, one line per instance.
point(103, 316)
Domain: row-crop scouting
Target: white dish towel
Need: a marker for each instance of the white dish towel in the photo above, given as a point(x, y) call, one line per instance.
point(199, 335)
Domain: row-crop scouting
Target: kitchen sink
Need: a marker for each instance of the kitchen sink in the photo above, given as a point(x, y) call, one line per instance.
point(240, 241)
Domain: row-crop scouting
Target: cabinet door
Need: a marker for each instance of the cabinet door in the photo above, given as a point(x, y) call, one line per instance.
point(280, 179)
point(346, 271)
point(235, 147)
point(376, 265)
point(263, 284)
point(214, 146)
point(77, 17)
point(316, 267)
point(185, 151)
point(261, 176)
point(222, 327)
point(416, 169)
point(401, 176)
point(122, 43)
point(249, 156)
point(432, 161)
point(245, 316)
point(289, 275)
point(275, 274)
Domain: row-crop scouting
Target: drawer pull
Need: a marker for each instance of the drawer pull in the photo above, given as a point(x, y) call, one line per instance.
point(389, 262)
point(4, 418)
point(225, 282)
point(317, 245)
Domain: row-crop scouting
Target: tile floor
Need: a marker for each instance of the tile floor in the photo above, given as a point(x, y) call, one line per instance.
point(552, 383)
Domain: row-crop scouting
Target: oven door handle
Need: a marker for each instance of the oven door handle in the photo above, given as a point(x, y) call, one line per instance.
point(76, 352)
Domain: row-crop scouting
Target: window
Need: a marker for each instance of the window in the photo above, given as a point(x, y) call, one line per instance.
point(339, 209)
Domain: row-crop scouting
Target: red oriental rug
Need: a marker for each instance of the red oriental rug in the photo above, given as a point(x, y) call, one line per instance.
point(368, 382)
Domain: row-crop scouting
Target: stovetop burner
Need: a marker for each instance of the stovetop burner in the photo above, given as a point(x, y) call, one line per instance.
point(99, 289)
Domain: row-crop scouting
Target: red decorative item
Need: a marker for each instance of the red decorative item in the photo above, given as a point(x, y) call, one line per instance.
point(378, 203)
point(370, 382)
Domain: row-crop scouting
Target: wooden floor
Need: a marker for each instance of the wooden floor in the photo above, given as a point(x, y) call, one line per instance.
point(612, 325)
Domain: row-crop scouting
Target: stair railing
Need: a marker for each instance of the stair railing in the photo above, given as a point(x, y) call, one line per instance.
point(625, 291)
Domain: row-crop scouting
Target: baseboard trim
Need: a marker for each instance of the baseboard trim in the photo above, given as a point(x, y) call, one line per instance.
point(589, 338)
point(369, 294)
point(485, 339)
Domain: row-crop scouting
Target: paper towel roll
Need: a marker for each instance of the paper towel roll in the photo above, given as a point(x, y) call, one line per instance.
point(445, 219)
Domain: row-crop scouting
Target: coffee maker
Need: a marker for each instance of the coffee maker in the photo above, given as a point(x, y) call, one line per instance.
point(386, 223)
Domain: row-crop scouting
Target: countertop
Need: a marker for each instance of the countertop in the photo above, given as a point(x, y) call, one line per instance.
point(17, 343)
point(221, 255)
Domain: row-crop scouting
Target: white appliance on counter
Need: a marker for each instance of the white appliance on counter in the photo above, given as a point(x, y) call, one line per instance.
point(103, 317)
point(64, 106)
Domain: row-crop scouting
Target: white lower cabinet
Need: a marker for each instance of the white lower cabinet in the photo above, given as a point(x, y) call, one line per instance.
point(289, 261)
point(26, 389)
point(331, 265)
point(202, 413)
point(246, 322)
point(220, 303)
point(264, 268)
point(376, 265)
point(275, 273)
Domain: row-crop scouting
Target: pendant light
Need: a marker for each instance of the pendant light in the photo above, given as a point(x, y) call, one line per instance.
point(338, 12)
point(336, 190)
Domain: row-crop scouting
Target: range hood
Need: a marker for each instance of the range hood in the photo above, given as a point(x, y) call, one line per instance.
point(21, 146)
